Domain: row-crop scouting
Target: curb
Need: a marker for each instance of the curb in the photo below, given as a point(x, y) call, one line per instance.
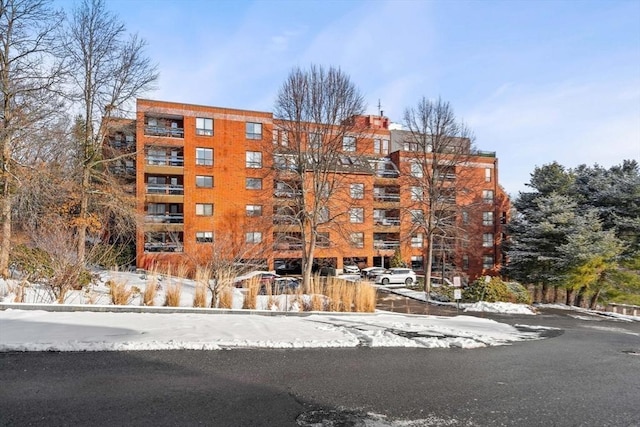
point(69, 308)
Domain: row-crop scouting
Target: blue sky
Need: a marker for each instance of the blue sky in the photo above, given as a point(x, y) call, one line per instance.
point(537, 81)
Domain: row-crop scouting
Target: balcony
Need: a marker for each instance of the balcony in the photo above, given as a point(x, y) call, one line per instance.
point(172, 127)
point(386, 194)
point(169, 189)
point(162, 247)
point(170, 241)
point(165, 219)
point(386, 244)
point(286, 193)
point(387, 222)
point(287, 246)
point(162, 160)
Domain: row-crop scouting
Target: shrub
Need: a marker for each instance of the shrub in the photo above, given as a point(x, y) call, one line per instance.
point(200, 295)
point(120, 294)
point(492, 291)
point(172, 295)
point(150, 291)
point(225, 299)
point(253, 288)
point(520, 292)
point(365, 298)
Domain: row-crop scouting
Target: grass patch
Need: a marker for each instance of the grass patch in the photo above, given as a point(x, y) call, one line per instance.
point(200, 295)
point(225, 299)
point(172, 294)
point(120, 293)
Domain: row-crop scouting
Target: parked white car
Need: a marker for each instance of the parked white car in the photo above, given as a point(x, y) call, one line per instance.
point(351, 269)
point(396, 276)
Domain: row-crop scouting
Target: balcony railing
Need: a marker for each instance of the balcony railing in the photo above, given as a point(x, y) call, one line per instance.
point(386, 244)
point(287, 193)
point(284, 219)
point(166, 219)
point(172, 132)
point(387, 197)
point(387, 173)
point(165, 189)
point(287, 246)
point(387, 222)
point(165, 160)
point(162, 247)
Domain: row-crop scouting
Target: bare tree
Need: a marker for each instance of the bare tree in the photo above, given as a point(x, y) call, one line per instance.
point(108, 72)
point(315, 109)
point(441, 147)
point(29, 74)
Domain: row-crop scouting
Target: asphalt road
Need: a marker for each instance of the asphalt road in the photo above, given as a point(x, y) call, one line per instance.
point(585, 374)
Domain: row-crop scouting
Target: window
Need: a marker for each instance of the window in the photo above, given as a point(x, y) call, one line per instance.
point(417, 216)
point(253, 184)
point(410, 146)
point(417, 262)
point(254, 159)
point(348, 143)
point(204, 156)
point(315, 140)
point(381, 146)
point(465, 217)
point(204, 181)
point(487, 196)
point(465, 262)
point(356, 215)
point(487, 240)
point(487, 175)
point(253, 237)
point(357, 191)
point(417, 241)
point(204, 209)
point(416, 170)
point(487, 218)
point(254, 210)
point(281, 137)
point(323, 215)
point(323, 240)
point(253, 130)
point(204, 236)
point(204, 126)
point(357, 240)
point(416, 193)
point(487, 262)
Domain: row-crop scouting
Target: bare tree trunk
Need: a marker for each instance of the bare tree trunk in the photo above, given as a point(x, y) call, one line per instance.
point(82, 216)
point(556, 294)
point(308, 265)
point(5, 219)
point(428, 266)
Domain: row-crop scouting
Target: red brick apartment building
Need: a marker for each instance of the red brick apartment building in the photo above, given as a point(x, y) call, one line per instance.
point(209, 183)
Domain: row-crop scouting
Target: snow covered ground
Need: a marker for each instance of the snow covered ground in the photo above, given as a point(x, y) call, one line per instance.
point(38, 330)
point(87, 322)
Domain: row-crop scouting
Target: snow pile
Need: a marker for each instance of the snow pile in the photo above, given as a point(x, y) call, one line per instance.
point(108, 331)
point(500, 307)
